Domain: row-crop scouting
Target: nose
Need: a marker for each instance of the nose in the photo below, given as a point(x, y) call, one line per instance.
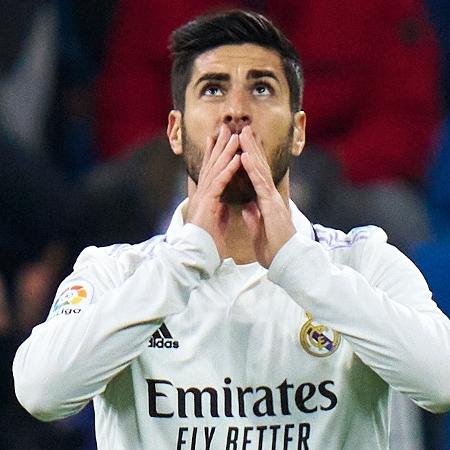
point(236, 112)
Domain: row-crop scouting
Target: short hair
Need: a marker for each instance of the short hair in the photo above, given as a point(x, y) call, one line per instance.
point(231, 27)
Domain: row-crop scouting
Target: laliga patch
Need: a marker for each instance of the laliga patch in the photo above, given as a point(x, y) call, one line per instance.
point(318, 340)
point(73, 299)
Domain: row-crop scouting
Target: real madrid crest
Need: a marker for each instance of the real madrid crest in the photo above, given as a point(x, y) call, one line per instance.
point(318, 340)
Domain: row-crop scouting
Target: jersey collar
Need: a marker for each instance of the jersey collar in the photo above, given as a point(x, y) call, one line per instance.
point(301, 223)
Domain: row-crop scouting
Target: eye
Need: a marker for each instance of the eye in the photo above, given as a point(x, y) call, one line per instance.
point(262, 90)
point(212, 91)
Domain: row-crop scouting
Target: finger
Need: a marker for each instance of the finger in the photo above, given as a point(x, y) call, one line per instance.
point(260, 177)
point(222, 140)
point(214, 150)
point(256, 160)
point(208, 151)
point(213, 170)
point(206, 158)
point(258, 141)
point(228, 152)
point(223, 216)
point(220, 182)
point(251, 144)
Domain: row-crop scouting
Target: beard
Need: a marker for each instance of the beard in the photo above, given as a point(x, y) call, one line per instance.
point(240, 189)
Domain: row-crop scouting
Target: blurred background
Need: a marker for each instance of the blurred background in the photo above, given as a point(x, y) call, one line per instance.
point(84, 97)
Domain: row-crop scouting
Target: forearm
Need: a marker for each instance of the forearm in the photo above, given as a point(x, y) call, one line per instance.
point(70, 358)
point(399, 341)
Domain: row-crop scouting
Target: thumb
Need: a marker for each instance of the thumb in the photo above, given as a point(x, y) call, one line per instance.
point(252, 219)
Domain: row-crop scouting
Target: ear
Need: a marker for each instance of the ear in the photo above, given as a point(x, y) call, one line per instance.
point(299, 137)
point(174, 131)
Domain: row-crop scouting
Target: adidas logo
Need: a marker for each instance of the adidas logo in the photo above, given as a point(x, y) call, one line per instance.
point(162, 338)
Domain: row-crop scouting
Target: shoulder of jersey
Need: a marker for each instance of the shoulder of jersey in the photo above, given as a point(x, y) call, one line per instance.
point(333, 239)
point(125, 255)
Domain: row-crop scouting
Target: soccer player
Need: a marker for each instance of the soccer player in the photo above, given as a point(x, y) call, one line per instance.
point(244, 326)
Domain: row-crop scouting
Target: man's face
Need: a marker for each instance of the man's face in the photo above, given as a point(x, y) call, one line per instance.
point(238, 85)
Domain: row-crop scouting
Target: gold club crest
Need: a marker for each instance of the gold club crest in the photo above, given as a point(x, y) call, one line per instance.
point(318, 340)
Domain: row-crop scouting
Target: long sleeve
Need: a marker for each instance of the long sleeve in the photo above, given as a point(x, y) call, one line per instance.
point(381, 305)
point(70, 358)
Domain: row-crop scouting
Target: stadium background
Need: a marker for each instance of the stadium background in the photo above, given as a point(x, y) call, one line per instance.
point(84, 95)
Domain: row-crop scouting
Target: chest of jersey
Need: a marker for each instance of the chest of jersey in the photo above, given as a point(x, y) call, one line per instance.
point(244, 366)
point(234, 356)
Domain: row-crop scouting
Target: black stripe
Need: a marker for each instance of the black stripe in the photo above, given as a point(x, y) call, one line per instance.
point(156, 335)
point(165, 331)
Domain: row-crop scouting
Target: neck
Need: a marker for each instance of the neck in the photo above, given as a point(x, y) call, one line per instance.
point(237, 238)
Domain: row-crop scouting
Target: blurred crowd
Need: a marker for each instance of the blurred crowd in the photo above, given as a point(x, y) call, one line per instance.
point(84, 97)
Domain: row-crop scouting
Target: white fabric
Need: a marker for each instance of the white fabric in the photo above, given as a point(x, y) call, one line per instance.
point(230, 371)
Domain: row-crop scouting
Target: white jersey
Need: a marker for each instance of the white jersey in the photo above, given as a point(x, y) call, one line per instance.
point(182, 351)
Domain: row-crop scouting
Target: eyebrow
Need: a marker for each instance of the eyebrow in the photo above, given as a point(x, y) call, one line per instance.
point(255, 74)
point(251, 75)
point(213, 76)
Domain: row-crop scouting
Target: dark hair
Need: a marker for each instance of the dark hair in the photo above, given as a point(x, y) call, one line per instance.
point(227, 28)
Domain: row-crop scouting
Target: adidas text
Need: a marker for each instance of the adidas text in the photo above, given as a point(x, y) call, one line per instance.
point(162, 338)
point(162, 343)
